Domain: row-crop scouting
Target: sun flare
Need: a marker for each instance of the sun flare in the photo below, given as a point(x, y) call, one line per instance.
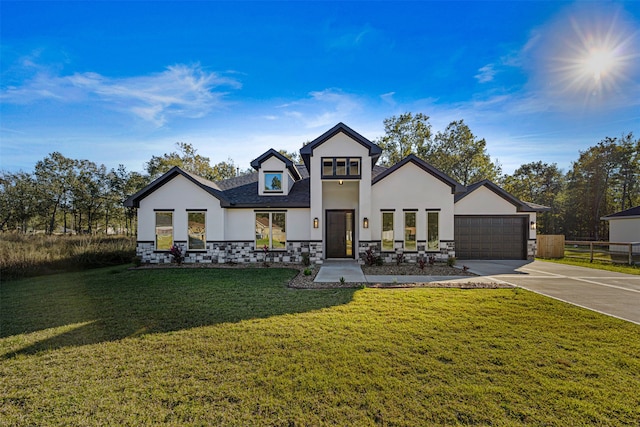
point(591, 56)
point(598, 62)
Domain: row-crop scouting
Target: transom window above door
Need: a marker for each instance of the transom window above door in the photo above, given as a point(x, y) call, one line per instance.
point(341, 167)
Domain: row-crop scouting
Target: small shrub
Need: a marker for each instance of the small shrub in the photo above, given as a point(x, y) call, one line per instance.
point(432, 260)
point(399, 258)
point(176, 253)
point(421, 263)
point(379, 261)
point(265, 250)
point(307, 272)
point(137, 261)
point(342, 280)
point(306, 259)
point(451, 261)
point(370, 257)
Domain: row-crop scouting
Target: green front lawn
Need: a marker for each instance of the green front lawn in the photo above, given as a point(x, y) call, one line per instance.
point(236, 347)
point(598, 265)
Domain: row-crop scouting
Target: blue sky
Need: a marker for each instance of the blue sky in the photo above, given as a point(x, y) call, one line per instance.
point(118, 82)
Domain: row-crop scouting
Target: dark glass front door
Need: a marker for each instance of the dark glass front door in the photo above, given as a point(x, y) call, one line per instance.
point(339, 233)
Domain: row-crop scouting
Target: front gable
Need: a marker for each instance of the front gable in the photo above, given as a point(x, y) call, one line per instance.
point(486, 198)
point(207, 186)
point(276, 174)
point(400, 169)
point(341, 140)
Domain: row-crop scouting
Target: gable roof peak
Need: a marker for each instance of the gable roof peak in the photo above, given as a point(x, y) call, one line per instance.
point(307, 151)
point(257, 163)
point(456, 187)
point(520, 205)
point(205, 184)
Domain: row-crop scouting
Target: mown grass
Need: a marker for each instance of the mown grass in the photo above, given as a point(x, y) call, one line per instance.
point(598, 265)
point(24, 255)
point(236, 347)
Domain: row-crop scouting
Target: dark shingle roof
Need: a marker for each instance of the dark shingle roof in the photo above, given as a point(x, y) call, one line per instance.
point(242, 192)
point(633, 212)
point(246, 195)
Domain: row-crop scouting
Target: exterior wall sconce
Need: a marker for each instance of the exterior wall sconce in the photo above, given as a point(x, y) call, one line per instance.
point(340, 182)
point(533, 225)
point(365, 223)
point(315, 222)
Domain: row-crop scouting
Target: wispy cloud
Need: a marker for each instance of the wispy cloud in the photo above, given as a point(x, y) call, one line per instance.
point(486, 73)
point(341, 38)
point(179, 91)
point(323, 108)
point(388, 98)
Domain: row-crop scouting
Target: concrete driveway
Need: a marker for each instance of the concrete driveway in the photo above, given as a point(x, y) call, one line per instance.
point(614, 294)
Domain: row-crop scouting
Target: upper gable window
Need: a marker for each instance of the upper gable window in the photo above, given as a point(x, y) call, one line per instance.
point(273, 182)
point(341, 167)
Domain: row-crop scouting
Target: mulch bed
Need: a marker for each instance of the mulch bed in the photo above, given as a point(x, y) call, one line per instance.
point(300, 281)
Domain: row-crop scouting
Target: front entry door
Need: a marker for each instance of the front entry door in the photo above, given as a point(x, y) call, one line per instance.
point(339, 233)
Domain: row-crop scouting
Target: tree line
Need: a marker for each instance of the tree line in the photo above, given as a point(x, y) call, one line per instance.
point(604, 179)
point(80, 196)
point(64, 195)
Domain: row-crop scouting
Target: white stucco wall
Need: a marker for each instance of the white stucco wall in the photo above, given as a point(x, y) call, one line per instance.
point(340, 145)
point(241, 225)
point(180, 194)
point(410, 187)
point(624, 230)
point(483, 201)
point(273, 164)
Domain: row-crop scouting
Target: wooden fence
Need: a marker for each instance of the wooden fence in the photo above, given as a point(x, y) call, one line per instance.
point(550, 246)
point(554, 246)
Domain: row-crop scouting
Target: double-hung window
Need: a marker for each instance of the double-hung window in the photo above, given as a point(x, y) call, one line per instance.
point(164, 230)
point(196, 230)
point(271, 230)
point(433, 235)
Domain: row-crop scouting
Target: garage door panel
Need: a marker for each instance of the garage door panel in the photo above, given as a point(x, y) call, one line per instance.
point(490, 237)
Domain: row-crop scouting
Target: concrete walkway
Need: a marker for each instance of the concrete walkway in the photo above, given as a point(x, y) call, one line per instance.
point(333, 270)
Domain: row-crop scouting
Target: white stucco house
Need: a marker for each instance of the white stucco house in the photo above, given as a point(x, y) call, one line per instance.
point(337, 204)
point(624, 227)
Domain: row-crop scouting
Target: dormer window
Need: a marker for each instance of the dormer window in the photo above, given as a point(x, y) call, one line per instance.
point(340, 167)
point(273, 182)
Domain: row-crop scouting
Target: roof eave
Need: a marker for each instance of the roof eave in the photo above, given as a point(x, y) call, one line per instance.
point(133, 201)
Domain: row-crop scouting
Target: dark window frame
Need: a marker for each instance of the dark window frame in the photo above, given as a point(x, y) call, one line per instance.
point(282, 178)
point(347, 166)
